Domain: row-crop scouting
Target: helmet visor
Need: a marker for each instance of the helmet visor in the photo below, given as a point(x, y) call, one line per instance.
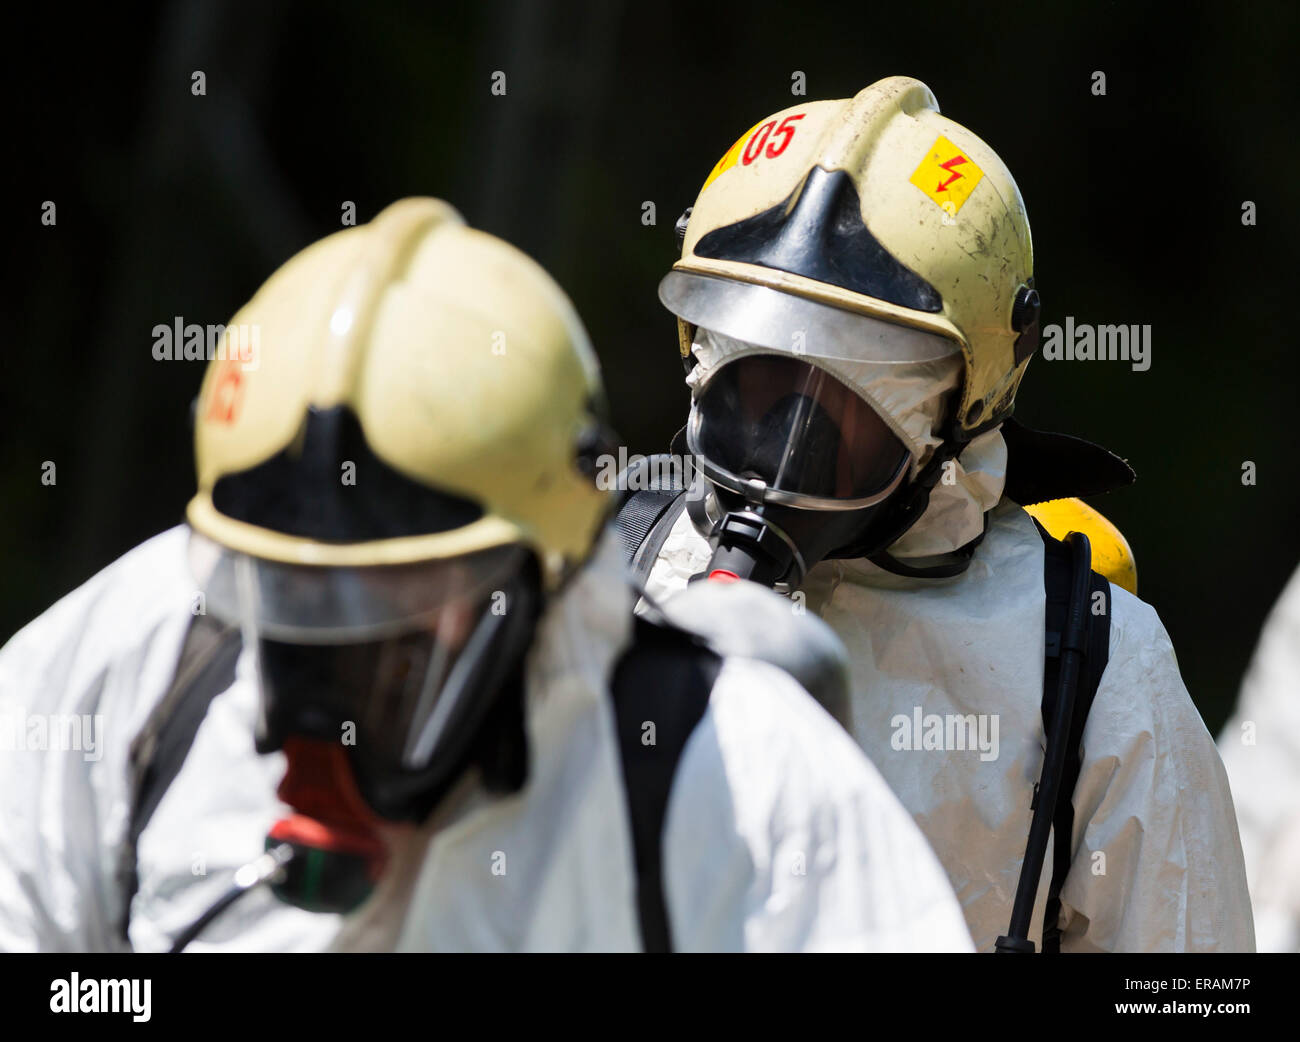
point(400, 694)
point(308, 604)
point(401, 657)
point(798, 430)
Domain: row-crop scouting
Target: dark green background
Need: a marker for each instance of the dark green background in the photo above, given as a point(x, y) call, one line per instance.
point(174, 205)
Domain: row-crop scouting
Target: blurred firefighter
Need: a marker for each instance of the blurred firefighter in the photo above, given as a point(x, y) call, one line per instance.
point(1261, 750)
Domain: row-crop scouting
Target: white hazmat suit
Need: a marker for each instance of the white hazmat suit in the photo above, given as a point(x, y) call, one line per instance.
point(1156, 862)
point(778, 834)
point(1261, 750)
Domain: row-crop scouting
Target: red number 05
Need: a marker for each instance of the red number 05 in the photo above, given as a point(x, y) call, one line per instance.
point(754, 147)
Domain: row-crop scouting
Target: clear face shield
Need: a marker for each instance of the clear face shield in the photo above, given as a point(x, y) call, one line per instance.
point(396, 664)
point(777, 429)
point(802, 463)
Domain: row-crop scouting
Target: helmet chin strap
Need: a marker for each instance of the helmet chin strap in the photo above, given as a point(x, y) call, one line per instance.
point(940, 566)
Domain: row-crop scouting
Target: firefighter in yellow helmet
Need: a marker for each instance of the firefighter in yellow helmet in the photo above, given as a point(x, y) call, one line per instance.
point(390, 668)
point(856, 307)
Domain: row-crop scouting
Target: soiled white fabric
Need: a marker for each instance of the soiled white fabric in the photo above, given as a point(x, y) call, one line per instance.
point(1261, 750)
point(954, 516)
point(779, 835)
point(1156, 859)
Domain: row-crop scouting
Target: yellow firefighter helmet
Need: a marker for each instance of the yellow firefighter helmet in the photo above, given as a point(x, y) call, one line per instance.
point(403, 391)
point(831, 218)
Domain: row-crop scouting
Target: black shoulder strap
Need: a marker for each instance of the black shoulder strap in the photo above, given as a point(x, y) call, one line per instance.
point(638, 514)
point(661, 688)
point(646, 516)
point(643, 523)
point(1056, 583)
point(206, 668)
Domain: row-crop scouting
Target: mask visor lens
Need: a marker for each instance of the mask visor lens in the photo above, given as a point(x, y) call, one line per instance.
point(795, 427)
point(391, 651)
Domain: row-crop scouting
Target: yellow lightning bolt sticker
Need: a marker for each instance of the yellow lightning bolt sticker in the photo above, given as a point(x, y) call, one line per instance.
point(947, 175)
point(729, 158)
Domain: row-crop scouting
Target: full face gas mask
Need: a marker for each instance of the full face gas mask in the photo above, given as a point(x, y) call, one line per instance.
point(376, 683)
point(802, 466)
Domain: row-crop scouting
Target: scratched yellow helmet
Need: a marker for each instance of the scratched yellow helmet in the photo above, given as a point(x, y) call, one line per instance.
point(840, 253)
point(395, 466)
point(829, 218)
point(855, 305)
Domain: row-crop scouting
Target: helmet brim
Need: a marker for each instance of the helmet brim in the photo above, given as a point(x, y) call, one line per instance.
point(787, 323)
